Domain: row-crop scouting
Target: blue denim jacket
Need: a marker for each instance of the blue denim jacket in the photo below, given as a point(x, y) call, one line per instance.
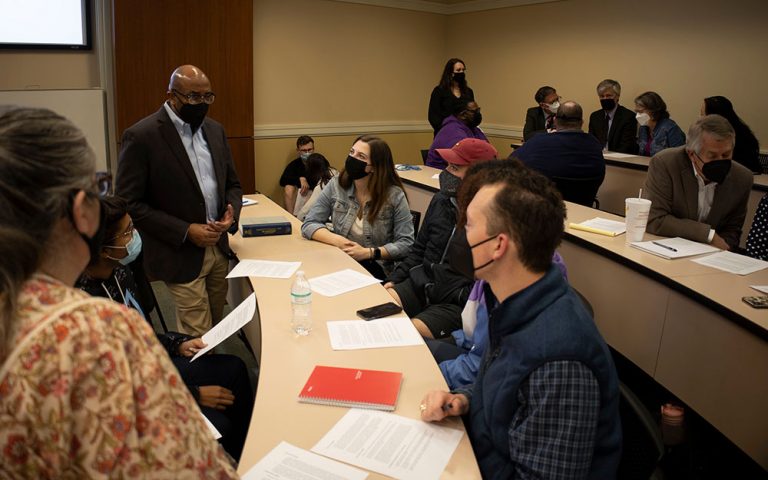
point(392, 229)
point(666, 135)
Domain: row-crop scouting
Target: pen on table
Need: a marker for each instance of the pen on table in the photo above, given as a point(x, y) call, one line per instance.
point(665, 246)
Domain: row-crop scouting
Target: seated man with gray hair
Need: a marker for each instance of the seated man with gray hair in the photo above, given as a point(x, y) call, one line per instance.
point(614, 125)
point(697, 191)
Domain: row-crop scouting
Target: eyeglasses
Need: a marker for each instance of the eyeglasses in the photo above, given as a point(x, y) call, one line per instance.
point(196, 98)
point(128, 231)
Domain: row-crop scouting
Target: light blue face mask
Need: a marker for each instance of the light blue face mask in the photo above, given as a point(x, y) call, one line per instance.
point(133, 249)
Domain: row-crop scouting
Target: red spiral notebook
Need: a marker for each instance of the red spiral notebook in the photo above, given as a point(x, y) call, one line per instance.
point(352, 387)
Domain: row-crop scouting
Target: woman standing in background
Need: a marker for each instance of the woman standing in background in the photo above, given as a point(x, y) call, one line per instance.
point(452, 88)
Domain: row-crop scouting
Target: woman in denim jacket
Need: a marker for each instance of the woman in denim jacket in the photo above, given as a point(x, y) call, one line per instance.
point(657, 131)
point(367, 207)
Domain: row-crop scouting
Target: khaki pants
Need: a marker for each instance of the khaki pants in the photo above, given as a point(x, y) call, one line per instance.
point(200, 303)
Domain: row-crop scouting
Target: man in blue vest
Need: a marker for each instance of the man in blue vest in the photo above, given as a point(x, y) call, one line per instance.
point(546, 400)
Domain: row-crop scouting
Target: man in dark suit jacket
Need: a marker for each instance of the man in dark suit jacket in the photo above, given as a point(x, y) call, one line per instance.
point(176, 172)
point(567, 152)
point(540, 119)
point(613, 125)
point(697, 192)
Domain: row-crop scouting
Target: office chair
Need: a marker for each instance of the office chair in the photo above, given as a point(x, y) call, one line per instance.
point(416, 220)
point(424, 156)
point(642, 446)
point(579, 190)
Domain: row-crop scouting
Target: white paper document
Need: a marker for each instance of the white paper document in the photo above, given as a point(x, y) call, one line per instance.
point(288, 462)
point(248, 201)
point(760, 288)
point(674, 247)
point(340, 282)
point(229, 325)
point(211, 427)
point(732, 263)
point(390, 444)
point(264, 269)
point(602, 226)
point(436, 176)
point(382, 332)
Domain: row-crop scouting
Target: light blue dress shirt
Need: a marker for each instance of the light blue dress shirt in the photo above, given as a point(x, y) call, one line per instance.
point(202, 163)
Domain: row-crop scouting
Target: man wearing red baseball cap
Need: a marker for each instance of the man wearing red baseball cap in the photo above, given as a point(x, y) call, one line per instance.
point(429, 292)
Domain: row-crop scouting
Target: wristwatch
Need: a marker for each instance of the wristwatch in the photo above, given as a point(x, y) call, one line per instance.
point(377, 253)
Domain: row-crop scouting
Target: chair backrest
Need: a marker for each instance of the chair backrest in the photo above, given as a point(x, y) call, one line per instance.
point(416, 220)
point(643, 446)
point(579, 190)
point(424, 156)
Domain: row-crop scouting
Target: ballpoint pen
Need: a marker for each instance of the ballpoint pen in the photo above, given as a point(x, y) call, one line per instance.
point(665, 246)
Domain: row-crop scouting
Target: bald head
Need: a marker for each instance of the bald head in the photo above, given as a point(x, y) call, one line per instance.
point(189, 77)
point(569, 116)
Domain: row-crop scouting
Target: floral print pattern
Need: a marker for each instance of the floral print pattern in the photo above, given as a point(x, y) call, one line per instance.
point(94, 395)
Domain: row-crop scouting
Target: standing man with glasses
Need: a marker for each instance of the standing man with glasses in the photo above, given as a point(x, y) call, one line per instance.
point(697, 191)
point(176, 172)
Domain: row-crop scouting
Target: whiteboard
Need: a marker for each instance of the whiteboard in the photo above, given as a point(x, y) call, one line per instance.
point(85, 108)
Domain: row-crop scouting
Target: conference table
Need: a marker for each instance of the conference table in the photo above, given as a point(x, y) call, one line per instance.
point(286, 360)
point(682, 323)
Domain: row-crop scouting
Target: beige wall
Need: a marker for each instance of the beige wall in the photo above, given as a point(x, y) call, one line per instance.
point(320, 61)
point(684, 50)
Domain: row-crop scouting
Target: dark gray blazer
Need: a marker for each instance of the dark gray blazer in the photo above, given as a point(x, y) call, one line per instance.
point(674, 193)
point(155, 176)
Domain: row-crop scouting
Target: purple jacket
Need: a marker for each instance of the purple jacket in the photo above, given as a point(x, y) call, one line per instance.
point(449, 134)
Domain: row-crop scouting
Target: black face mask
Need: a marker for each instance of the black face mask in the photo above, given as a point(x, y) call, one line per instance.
point(355, 168)
point(475, 120)
point(460, 254)
point(193, 114)
point(459, 77)
point(97, 240)
point(608, 104)
point(716, 170)
point(449, 183)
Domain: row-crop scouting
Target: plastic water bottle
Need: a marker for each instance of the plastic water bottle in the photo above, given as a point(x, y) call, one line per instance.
point(301, 304)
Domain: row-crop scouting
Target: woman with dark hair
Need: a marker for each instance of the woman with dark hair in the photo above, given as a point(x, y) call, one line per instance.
point(452, 87)
point(657, 131)
point(368, 209)
point(747, 148)
point(86, 390)
point(319, 173)
point(219, 382)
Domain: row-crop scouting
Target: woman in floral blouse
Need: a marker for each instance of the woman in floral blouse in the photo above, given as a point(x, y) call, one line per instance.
point(86, 391)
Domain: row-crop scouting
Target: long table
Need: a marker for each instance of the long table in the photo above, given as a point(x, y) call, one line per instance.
point(682, 323)
point(287, 360)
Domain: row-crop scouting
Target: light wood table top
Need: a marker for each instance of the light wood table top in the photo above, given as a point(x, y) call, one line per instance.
point(287, 360)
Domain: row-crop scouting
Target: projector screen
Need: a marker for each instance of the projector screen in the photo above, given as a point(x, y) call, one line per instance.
point(45, 24)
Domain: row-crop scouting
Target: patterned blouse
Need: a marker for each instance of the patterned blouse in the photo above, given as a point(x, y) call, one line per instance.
point(92, 394)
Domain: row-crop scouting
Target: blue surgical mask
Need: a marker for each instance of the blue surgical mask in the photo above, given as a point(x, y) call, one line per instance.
point(304, 155)
point(133, 249)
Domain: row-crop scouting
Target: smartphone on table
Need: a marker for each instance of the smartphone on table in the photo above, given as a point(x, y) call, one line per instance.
point(756, 301)
point(379, 311)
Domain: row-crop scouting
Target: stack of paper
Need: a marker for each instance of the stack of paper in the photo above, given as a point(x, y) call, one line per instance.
point(732, 263)
point(602, 226)
point(674, 247)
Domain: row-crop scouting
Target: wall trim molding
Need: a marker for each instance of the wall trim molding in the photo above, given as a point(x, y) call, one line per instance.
point(445, 9)
point(292, 130)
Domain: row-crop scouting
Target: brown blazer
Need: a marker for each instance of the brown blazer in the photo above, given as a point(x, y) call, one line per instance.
point(674, 192)
point(155, 176)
